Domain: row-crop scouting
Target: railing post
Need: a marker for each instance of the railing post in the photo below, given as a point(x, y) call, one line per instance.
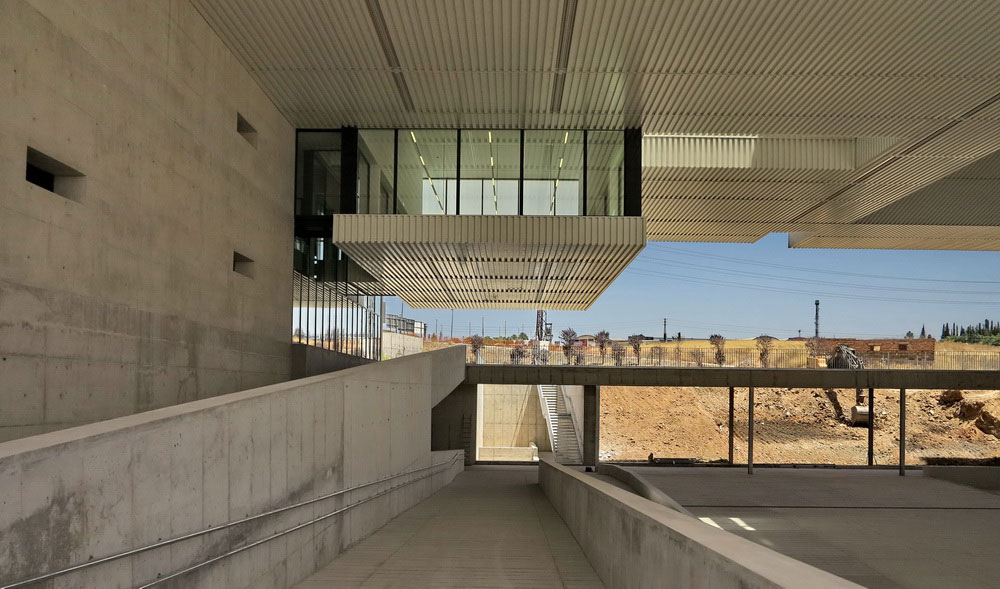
point(750, 432)
point(902, 432)
point(732, 397)
point(871, 426)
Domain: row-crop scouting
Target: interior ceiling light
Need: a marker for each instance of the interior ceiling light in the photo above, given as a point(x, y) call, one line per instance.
point(412, 136)
point(489, 136)
point(566, 137)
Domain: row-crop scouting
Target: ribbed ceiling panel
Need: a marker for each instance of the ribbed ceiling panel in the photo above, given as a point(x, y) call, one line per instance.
point(908, 83)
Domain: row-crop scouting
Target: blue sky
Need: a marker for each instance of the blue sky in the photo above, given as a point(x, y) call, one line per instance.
point(743, 290)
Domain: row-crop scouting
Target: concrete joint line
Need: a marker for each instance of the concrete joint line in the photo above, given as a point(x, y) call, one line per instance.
point(226, 525)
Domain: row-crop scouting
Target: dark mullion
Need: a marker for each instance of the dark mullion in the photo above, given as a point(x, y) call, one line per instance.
point(520, 180)
point(395, 171)
point(585, 170)
point(458, 172)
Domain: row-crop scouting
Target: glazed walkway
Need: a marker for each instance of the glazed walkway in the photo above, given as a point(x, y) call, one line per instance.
point(491, 527)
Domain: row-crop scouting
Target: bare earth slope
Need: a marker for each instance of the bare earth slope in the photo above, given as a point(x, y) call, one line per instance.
point(795, 425)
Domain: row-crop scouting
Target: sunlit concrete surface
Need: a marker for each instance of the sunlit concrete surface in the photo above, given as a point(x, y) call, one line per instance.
point(491, 527)
point(872, 527)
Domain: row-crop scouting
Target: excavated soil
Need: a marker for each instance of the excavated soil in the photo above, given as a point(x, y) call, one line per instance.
point(797, 425)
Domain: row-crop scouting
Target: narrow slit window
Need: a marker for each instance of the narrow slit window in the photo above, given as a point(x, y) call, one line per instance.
point(244, 128)
point(242, 264)
point(49, 173)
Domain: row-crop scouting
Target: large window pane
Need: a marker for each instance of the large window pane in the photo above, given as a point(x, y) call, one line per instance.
point(317, 173)
point(375, 161)
point(605, 172)
point(553, 172)
point(491, 163)
point(427, 178)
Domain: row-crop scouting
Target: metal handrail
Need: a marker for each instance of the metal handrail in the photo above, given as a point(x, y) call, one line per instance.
point(226, 525)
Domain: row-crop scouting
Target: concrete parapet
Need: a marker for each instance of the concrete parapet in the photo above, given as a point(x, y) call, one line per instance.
point(732, 377)
point(85, 493)
point(633, 542)
point(982, 477)
point(641, 486)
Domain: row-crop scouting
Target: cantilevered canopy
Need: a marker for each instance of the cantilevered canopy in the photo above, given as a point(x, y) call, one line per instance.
point(794, 116)
point(492, 262)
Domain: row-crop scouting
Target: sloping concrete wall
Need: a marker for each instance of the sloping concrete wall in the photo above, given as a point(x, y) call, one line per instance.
point(79, 494)
point(310, 361)
point(634, 543)
point(395, 344)
point(125, 299)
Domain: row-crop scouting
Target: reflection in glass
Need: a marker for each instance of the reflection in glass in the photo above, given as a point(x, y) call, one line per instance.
point(375, 161)
point(553, 172)
point(427, 174)
point(491, 163)
point(605, 173)
point(317, 173)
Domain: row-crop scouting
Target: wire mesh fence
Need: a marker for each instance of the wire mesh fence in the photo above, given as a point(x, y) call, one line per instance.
point(731, 357)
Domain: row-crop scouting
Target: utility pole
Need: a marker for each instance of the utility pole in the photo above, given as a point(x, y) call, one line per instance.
point(482, 324)
point(817, 319)
point(452, 324)
point(664, 329)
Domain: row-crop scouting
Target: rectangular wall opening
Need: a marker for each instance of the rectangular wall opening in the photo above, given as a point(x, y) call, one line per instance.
point(246, 130)
point(49, 173)
point(242, 264)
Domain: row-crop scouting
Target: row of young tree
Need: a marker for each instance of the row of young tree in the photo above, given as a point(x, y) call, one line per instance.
point(986, 332)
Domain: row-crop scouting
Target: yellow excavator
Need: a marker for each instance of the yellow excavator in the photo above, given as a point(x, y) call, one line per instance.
point(847, 358)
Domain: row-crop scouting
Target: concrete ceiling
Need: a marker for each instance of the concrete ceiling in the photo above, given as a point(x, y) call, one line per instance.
point(807, 117)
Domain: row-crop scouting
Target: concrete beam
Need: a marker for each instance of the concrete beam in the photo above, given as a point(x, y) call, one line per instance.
point(732, 377)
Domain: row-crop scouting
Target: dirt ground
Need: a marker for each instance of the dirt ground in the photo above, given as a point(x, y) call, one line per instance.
point(795, 425)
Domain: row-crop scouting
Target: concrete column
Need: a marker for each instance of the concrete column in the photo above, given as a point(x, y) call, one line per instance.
point(732, 408)
point(454, 422)
point(902, 432)
point(591, 424)
point(750, 432)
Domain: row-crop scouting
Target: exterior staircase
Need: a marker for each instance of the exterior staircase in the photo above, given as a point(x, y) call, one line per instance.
point(562, 432)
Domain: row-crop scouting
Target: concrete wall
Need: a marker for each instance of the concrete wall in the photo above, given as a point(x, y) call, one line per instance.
point(633, 542)
point(512, 417)
point(125, 299)
point(67, 497)
point(454, 419)
point(310, 361)
point(395, 344)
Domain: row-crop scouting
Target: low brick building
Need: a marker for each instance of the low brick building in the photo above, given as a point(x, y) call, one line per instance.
point(905, 347)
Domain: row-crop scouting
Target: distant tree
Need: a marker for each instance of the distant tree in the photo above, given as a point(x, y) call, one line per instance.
point(812, 345)
point(945, 332)
point(635, 341)
point(618, 354)
point(602, 339)
point(909, 335)
point(679, 337)
point(517, 353)
point(698, 355)
point(568, 337)
point(923, 332)
point(475, 344)
point(522, 336)
point(297, 334)
point(764, 344)
point(719, 343)
point(658, 353)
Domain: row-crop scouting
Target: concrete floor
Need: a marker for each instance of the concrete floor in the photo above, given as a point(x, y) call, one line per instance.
point(872, 527)
point(491, 527)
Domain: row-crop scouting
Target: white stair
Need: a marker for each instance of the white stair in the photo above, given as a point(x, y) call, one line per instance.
point(565, 444)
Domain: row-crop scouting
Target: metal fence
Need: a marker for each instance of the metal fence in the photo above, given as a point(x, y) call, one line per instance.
point(741, 357)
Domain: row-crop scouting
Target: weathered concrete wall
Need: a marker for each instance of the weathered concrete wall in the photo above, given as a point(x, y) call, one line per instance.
point(512, 417)
point(395, 344)
point(633, 542)
point(125, 299)
point(69, 496)
point(454, 418)
point(311, 361)
point(982, 477)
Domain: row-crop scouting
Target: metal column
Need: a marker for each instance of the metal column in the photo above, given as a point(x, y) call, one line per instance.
point(902, 432)
point(732, 396)
point(871, 427)
point(750, 433)
point(591, 424)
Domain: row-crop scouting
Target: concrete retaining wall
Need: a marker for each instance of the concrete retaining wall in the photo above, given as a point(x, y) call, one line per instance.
point(311, 361)
point(395, 344)
point(124, 298)
point(87, 492)
point(512, 417)
point(982, 477)
point(633, 542)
